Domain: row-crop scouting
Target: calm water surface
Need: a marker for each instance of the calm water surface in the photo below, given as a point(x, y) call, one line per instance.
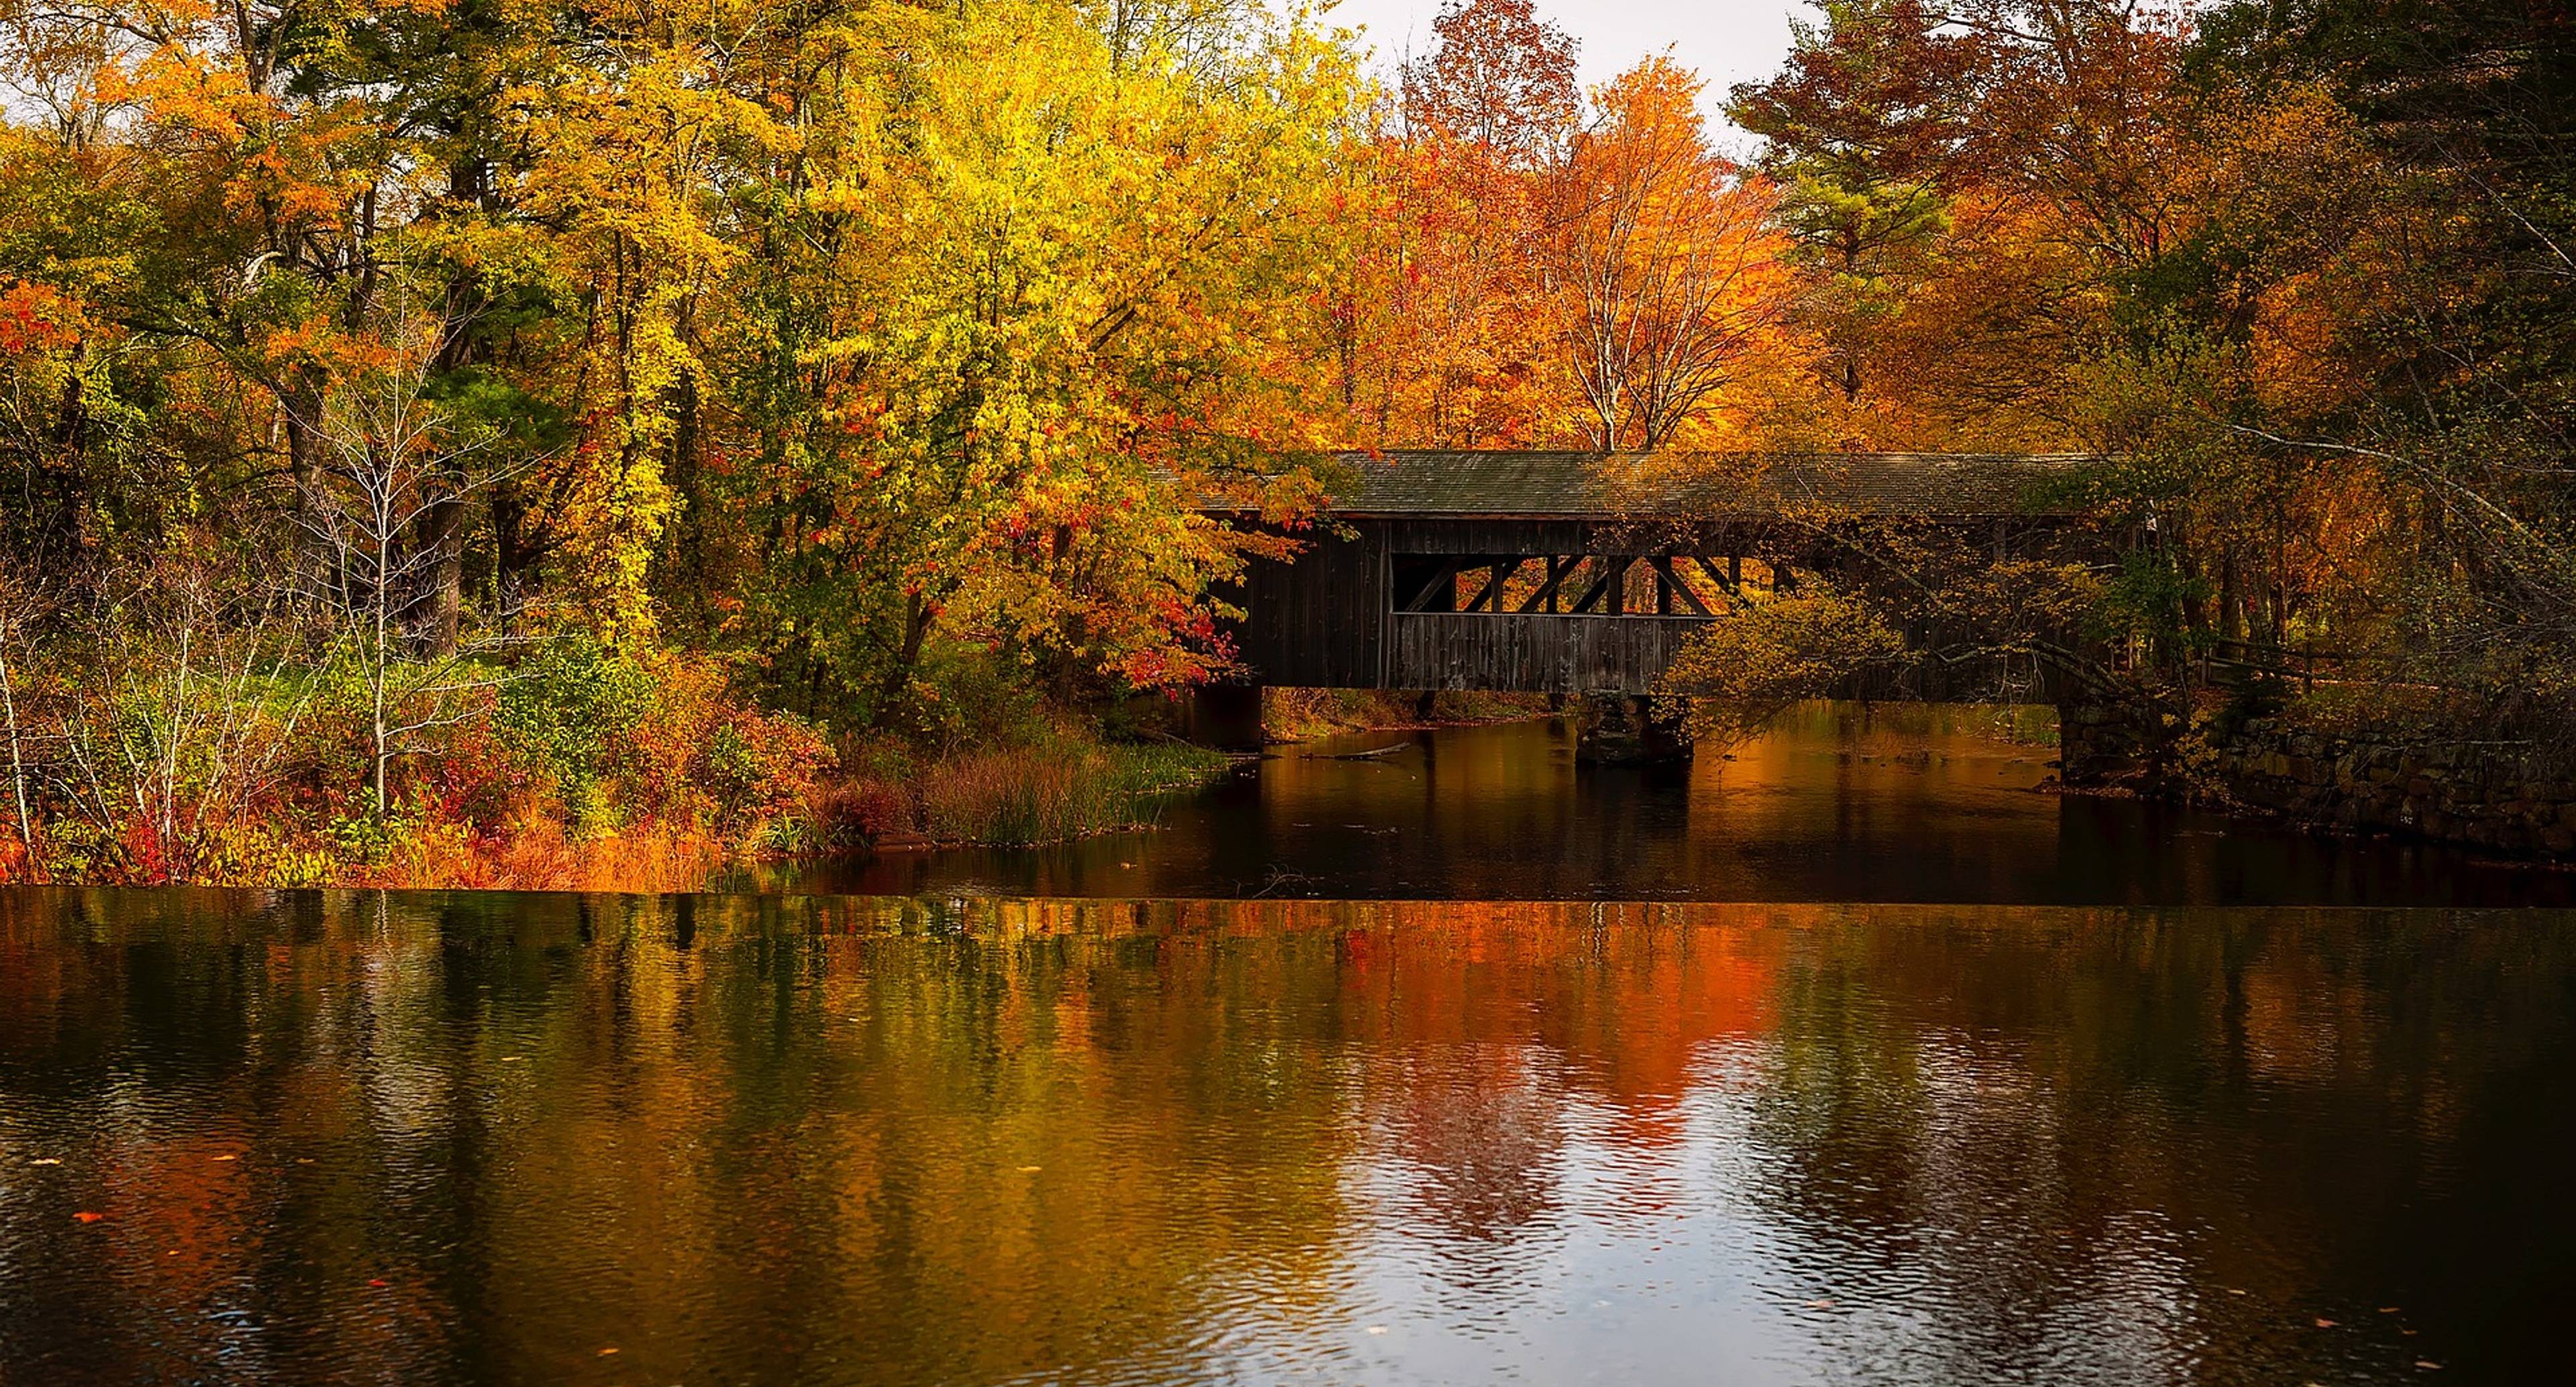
point(1840, 802)
point(422, 1139)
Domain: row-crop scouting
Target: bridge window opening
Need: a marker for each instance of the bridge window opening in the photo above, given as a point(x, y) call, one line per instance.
point(1658, 585)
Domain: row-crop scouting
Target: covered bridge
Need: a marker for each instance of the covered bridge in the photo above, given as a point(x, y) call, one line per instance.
point(1578, 573)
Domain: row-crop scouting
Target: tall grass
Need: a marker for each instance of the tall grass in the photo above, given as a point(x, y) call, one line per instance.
point(1055, 790)
point(1297, 715)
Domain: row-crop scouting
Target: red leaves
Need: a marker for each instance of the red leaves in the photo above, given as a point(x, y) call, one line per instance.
point(85, 1216)
point(37, 317)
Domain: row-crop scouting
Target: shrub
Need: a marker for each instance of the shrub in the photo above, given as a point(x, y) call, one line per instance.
point(627, 741)
point(1741, 670)
point(1058, 789)
point(568, 713)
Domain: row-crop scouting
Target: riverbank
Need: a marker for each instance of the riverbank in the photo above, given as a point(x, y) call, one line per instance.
point(1058, 789)
point(591, 770)
point(1305, 715)
point(2337, 760)
point(577, 767)
point(1058, 786)
point(2330, 763)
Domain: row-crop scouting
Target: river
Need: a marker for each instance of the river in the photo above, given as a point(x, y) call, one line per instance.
point(2003, 1102)
point(1839, 802)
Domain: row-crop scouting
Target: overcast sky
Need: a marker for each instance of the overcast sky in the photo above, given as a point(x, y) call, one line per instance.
point(1725, 41)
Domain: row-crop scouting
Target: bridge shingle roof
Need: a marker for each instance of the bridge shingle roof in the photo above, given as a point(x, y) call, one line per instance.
point(1489, 483)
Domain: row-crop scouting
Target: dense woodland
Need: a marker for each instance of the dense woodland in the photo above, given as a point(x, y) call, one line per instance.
point(441, 437)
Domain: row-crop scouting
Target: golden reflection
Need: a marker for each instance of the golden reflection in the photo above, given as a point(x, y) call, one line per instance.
point(974, 1140)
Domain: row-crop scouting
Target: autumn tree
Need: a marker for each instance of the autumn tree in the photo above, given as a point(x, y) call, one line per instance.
point(1662, 259)
point(2413, 330)
point(1499, 81)
point(1446, 321)
point(1019, 305)
point(1861, 134)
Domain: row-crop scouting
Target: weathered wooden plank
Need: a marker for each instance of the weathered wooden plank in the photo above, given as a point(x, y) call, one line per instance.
point(1318, 621)
point(1535, 653)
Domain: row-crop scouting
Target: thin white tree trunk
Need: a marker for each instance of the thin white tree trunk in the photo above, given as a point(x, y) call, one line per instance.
point(17, 758)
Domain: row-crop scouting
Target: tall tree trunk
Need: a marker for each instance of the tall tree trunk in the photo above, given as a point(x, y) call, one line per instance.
point(300, 401)
point(442, 536)
point(916, 629)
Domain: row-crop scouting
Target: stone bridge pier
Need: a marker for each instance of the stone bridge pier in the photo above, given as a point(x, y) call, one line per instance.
point(2119, 740)
point(1625, 730)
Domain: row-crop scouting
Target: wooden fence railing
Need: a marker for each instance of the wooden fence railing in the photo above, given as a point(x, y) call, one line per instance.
point(2306, 664)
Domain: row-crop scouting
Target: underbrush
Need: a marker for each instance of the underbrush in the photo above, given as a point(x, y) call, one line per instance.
point(1053, 788)
point(577, 767)
point(1297, 715)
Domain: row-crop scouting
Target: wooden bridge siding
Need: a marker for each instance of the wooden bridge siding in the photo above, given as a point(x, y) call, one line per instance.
point(1319, 621)
point(1324, 620)
point(1535, 653)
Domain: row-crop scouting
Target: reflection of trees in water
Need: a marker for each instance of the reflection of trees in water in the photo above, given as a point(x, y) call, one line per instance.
point(787, 1134)
point(2071, 1133)
point(1498, 1021)
point(786, 1148)
point(1478, 1128)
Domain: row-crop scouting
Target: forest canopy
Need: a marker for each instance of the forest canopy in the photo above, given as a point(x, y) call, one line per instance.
point(865, 367)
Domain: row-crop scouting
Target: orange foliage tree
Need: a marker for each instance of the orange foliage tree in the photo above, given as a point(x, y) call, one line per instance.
point(1443, 329)
point(1665, 264)
point(1535, 266)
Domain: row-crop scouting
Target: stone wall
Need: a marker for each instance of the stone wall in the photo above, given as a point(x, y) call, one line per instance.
point(2116, 744)
point(2449, 792)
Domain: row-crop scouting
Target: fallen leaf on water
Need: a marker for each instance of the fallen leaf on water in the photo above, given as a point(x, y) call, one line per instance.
point(2236, 1290)
point(2325, 1324)
point(46, 1160)
point(227, 1158)
point(606, 1351)
point(86, 1216)
point(1029, 1169)
point(379, 1285)
point(2426, 1363)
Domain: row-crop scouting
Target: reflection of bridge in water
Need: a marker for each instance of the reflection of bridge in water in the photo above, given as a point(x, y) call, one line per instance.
point(1574, 573)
